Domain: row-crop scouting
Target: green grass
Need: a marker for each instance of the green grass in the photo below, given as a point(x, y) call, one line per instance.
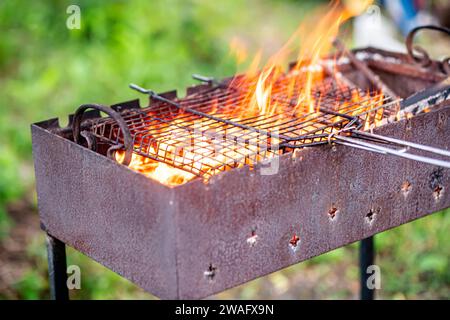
point(47, 71)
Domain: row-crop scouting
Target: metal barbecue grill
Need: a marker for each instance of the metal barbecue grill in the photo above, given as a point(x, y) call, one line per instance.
point(235, 223)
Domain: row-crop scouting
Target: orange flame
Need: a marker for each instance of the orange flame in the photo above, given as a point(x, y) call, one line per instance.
point(238, 50)
point(311, 42)
point(314, 40)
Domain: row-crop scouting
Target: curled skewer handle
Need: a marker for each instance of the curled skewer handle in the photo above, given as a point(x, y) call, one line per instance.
point(423, 59)
point(127, 139)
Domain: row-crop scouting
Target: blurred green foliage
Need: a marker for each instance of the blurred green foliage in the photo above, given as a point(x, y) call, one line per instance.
point(47, 70)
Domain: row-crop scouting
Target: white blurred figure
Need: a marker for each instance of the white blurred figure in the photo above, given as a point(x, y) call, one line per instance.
point(374, 30)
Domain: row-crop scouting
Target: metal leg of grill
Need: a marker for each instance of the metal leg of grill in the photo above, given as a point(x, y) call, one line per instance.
point(366, 259)
point(57, 268)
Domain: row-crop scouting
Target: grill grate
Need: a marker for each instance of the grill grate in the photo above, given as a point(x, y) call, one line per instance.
point(207, 132)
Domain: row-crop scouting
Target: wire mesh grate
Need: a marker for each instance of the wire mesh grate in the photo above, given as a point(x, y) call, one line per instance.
point(219, 128)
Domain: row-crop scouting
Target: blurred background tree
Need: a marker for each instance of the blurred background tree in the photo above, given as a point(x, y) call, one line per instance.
point(47, 70)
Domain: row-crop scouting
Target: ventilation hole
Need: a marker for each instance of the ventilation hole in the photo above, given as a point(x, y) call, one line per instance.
point(438, 191)
point(296, 155)
point(406, 188)
point(253, 238)
point(294, 242)
point(210, 273)
point(333, 212)
point(436, 179)
point(441, 120)
point(370, 215)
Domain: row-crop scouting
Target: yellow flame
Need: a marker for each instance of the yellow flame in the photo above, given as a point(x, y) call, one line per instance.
point(309, 43)
point(238, 49)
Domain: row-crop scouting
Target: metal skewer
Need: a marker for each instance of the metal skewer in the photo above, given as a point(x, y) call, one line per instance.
point(361, 66)
point(352, 142)
point(403, 143)
point(353, 138)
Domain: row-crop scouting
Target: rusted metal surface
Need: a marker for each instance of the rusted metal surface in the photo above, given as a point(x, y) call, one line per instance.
point(105, 210)
point(198, 239)
point(391, 66)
